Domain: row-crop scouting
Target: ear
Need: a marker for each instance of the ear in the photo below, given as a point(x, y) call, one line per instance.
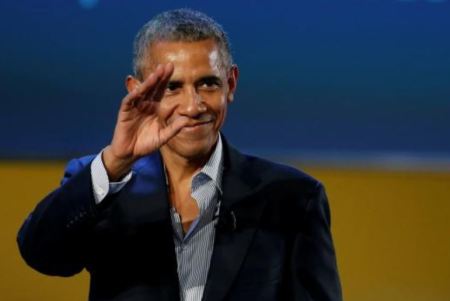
point(131, 83)
point(232, 82)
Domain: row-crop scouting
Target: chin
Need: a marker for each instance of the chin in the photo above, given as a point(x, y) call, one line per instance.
point(190, 149)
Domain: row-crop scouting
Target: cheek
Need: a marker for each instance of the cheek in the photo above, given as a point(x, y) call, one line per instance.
point(220, 111)
point(216, 100)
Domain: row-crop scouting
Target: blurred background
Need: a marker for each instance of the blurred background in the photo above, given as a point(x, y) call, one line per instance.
point(357, 93)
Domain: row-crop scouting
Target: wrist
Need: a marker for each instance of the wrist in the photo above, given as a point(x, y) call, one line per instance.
point(116, 167)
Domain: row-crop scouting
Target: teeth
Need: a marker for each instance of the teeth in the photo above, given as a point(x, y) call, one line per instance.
point(204, 119)
point(200, 123)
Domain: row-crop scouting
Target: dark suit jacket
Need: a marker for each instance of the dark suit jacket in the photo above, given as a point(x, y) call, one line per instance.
point(279, 249)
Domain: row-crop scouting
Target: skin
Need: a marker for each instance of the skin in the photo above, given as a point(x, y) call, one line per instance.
point(178, 109)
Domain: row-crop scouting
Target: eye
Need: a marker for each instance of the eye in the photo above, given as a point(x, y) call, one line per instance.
point(173, 86)
point(209, 84)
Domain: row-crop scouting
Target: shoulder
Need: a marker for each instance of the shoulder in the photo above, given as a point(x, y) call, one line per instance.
point(268, 175)
point(76, 165)
point(288, 193)
point(284, 176)
point(150, 164)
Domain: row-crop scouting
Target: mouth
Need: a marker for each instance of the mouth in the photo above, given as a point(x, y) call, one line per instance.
point(197, 126)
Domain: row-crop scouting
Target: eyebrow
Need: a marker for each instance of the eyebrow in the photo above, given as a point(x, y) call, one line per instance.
point(209, 78)
point(175, 82)
point(214, 78)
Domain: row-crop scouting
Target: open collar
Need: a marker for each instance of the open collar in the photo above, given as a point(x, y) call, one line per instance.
point(241, 183)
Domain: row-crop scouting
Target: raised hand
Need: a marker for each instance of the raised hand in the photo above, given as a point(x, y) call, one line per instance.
point(138, 131)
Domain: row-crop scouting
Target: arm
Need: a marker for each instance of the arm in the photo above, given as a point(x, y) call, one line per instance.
point(55, 237)
point(315, 274)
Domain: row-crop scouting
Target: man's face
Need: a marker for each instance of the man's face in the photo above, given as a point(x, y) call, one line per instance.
point(200, 88)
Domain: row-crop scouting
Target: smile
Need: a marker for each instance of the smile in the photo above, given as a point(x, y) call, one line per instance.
point(197, 126)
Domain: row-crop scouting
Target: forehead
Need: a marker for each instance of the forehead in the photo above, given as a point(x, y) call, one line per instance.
point(200, 55)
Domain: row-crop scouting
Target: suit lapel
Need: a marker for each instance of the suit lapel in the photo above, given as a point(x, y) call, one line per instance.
point(240, 185)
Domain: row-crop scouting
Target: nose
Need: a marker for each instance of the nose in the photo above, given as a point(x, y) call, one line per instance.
point(192, 104)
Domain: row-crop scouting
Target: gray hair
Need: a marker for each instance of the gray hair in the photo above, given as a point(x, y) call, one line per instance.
point(179, 25)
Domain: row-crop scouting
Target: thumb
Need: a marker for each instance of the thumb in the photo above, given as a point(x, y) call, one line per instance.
point(173, 128)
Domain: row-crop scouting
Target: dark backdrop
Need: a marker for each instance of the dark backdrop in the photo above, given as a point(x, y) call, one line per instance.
point(319, 79)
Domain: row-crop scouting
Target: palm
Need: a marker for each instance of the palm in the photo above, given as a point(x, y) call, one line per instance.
point(138, 131)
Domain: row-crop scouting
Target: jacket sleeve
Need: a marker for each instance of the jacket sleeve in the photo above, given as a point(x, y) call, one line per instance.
point(54, 238)
point(314, 270)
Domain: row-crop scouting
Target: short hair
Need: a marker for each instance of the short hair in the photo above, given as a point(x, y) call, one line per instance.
point(179, 25)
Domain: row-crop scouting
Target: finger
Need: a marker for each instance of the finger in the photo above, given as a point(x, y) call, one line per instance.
point(173, 128)
point(142, 90)
point(160, 87)
point(149, 90)
point(135, 96)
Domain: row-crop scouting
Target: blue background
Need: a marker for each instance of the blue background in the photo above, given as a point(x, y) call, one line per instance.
point(319, 79)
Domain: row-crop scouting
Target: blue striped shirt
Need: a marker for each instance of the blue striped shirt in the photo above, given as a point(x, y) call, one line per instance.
point(194, 249)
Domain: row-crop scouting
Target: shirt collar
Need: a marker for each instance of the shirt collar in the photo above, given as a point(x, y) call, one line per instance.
point(213, 168)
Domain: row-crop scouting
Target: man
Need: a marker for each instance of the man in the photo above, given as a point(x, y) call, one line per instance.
point(169, 210)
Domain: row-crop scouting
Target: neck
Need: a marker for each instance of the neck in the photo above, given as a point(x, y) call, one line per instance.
point(180, 169)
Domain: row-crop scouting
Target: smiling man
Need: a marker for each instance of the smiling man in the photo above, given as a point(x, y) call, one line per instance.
point(169, 210)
